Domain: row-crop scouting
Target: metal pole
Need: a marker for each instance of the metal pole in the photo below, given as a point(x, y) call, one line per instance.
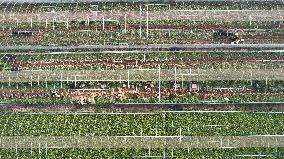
point(46, 82)
point(251, 77)
point(140, 9)
point(45, 23)
point(17, 150)
point(61, 80)
point(31, 81)
point(67, 23)
point(147, 32)
point(39, 148)
point(88, 20)
point(250, 20)
point(53, 23)
point(31, 22)
point(75, 82)
point(125, 23)
point(31, 148)
point(46, 149)
point(182, 81)
point(140, 31)
point(175, 80)
point(198, 74)
point(159, 84)
point(103, 23)
point(128, 76)
point(37, 80)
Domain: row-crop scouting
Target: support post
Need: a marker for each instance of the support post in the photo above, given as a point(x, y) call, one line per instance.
point(31, 148)
point(75, 81)
point(31, 81)
point(61, 83)
point(147, 23)
point(39, 148)
point(175, 80)
point(17, 150)
point(159, 84)
point(125, 23)
point(53, 23)
point(31, 22)
point(182, 81)
point(128, 77)
point(198, 74)
point(46, 148)
point(103, 23)
point(46, 82)
point(88, 21)
point(180, 134)
point(37, 80)
point(140, 31)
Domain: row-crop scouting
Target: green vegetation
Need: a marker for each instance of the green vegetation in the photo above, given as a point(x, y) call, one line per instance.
point(51, 153)
point(156, 124)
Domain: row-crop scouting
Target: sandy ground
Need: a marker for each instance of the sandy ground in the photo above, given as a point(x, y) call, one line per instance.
point(205, 15)
point(142, 75)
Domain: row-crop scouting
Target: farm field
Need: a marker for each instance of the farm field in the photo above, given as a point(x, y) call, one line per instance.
point(184, 124)
point(126, 77)
point(178, 79)
point(94, 72)
point(272, 153)
point(148, 124)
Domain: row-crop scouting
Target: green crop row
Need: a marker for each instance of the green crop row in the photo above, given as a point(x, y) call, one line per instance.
point(130, 37)
point(53, 153)
point(267, 26)
point(156, 124)
point(80, 124)
point(158, 56)
point(254, 85)
point(108, 100)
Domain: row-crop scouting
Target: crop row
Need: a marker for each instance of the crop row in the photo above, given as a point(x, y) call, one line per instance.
point(107, 98)
point(135, 24)
point(147, 55)
point(125, 63)
point(161, 56)
point(106, 93)
point(92, 37)
point(157, 124)
point(251, 85)
point(142, 75)
point(133, 37)
point(52, 153)
point(35, 8)
point(166, 60)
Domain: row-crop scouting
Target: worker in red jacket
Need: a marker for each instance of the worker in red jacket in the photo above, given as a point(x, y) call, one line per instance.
point(205, 96)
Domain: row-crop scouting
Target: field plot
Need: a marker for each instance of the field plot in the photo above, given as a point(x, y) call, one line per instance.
point(170, 134)
point(109, 24)
point(142, 77)
point(139, 73)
